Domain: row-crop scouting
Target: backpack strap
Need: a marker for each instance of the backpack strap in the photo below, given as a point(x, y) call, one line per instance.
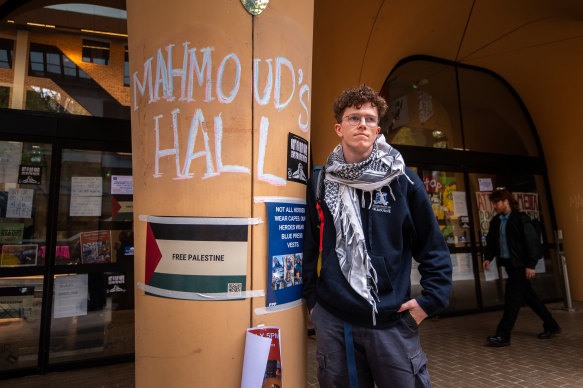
point(318, 174)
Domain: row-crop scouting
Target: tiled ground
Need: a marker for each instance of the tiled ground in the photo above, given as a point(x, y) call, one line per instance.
point(455, 347)
point(458, 356)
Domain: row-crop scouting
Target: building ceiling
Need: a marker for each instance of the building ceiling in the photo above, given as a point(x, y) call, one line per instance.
point(27, 12)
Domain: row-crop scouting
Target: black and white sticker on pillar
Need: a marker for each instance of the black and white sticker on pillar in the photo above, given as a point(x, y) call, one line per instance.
point(297, 159)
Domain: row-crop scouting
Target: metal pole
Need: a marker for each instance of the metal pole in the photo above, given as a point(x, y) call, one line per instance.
point(568, 301)
point(562, 261)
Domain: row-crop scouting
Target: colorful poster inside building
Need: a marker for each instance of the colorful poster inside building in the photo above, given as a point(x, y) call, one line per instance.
point(190, 257)
point(96, 247)
point(11, 233)
point(449, 206)
point(285, 252)
point(527, 203)
point(19, 255)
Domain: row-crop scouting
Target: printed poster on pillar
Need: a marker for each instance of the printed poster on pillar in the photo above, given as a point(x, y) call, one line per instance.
point(285, 252)
point(190, 256)
point(297, 159)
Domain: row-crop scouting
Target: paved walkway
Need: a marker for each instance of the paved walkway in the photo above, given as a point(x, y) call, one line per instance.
point(455, 347)
point(458, 355)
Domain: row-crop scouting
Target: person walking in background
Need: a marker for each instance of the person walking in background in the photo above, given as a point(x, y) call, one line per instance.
point(512, 238)
point(374, 217)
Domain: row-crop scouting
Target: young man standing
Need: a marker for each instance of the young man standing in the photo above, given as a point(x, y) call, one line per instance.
point(511, 238)
point(373, 217)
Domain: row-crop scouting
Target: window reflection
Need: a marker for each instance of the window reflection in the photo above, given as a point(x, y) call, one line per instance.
point(20, 318)
point(95, 51)
point(6, 52)
point(63, 87)
point(76, 67)
point(445, 105)
point(423, 106)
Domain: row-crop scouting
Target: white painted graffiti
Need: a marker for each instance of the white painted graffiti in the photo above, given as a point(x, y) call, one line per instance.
point(196, 71)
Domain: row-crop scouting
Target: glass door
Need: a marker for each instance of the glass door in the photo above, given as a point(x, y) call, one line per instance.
point(448, 194)
point(92, 314)
point(25, 169)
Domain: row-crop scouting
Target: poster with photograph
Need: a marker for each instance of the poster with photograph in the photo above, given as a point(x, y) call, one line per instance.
point(19, 255)
point(262, 359)
point(285, 247)
point(96, 247)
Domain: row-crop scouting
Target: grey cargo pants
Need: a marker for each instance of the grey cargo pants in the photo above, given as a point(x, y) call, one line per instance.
point(390, 357)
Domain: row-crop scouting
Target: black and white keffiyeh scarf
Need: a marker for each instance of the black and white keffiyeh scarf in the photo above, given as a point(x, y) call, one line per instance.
point(341, 181)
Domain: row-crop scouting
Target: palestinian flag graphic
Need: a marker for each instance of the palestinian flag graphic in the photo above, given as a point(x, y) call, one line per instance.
point(196, 258)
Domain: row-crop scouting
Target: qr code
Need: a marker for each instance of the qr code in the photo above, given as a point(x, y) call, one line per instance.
point(234, 288)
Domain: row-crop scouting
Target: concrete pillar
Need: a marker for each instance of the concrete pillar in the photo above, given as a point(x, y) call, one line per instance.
point(186, 343)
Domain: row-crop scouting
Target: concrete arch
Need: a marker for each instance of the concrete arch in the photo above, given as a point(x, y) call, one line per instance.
point(535, 47)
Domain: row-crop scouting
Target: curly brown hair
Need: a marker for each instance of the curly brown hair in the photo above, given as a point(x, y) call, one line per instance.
point(500, 194)
point(357, 97)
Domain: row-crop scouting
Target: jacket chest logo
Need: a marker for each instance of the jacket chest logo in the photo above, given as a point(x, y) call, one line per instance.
point(381, 203)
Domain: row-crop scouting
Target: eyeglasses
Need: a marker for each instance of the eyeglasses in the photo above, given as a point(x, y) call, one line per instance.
point(355, 120)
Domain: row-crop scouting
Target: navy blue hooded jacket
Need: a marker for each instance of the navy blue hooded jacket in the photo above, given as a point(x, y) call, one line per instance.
point(395, 231)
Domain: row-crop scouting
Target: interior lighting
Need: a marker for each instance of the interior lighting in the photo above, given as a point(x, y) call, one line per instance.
point(104, 33)
point(40, 25)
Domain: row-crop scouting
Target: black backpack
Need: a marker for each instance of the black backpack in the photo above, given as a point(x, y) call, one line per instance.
point(536, 243)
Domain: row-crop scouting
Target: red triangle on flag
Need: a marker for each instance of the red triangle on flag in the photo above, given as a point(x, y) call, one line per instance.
point(153, 254)
point(115, 206)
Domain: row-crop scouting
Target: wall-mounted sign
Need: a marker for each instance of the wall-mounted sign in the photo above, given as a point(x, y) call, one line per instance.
point(297, 159)
point(19, 203)
point(70, 298)
point(186, 256)
point(285, 252)
point(116, 284)
point(122, 184)
point(86, 192)
point(11, 233)
point(485, 184)
point(30, 175)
